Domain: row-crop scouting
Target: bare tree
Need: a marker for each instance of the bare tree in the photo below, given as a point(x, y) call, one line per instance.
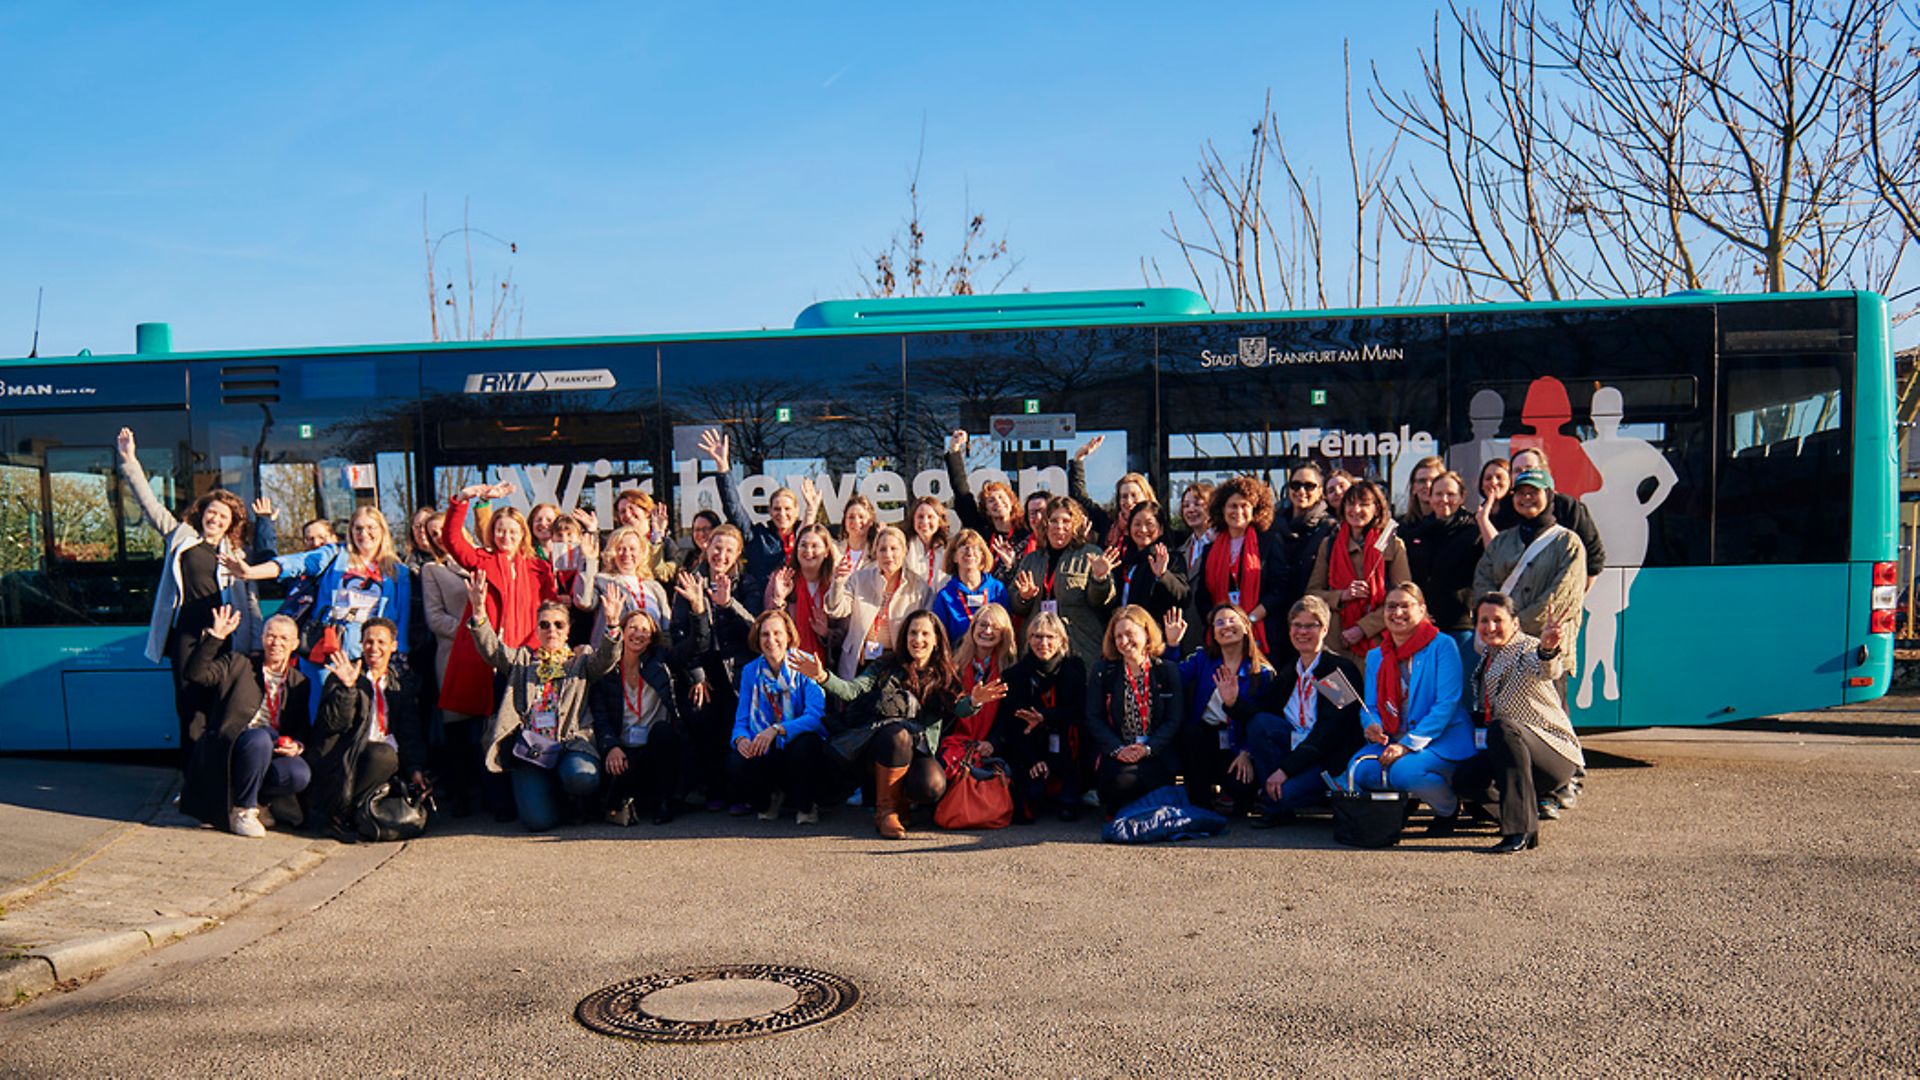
point(453, 315)
point(1249, 251)
point(903, 267)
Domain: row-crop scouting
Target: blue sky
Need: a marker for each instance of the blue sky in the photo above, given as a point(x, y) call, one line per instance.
point(254, 174)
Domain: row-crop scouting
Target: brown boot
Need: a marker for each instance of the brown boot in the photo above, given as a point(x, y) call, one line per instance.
point(889, 801)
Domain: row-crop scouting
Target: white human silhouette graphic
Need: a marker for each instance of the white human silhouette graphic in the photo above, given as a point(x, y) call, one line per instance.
point(1484, 413)
point(1625, 465)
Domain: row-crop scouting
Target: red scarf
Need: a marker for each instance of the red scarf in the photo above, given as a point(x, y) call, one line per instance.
point(1340, 574)
point(803, 614)
point(974, 728)
point(1226, 575)
point(1389, 688)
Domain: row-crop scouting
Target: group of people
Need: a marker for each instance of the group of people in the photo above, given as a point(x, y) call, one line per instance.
point(1258, 650)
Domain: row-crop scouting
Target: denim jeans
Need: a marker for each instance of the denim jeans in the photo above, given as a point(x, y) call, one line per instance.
point(539, 792)
point(258, 773)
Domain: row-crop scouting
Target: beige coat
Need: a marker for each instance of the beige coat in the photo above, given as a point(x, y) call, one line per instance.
point(1373, 623)
point(856, 599)
point(443, 588)
point(1556, 580)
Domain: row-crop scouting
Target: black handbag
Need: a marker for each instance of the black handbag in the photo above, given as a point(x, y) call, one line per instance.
point(1367, 819)
point(391, 812)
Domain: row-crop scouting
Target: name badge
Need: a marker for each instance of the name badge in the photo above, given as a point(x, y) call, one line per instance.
point(1226, 741)
point(871, 651)
point(636, 736)
point(1479, 738)
point(1140, 740)
point(976, 600)
point(1050, 607)
point(1053, 744)
point(1233, 597)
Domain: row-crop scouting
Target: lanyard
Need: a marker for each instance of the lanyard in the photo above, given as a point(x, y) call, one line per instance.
point(380, 707)
point(982, 672)
point(883, 618)
point(1142, 697)
point(1053, 567)
point(638, 699)
point(1486, 690)
point(787, 540)
point(1303, 695)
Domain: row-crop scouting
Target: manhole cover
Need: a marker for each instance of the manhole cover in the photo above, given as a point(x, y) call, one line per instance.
point(715, 1004)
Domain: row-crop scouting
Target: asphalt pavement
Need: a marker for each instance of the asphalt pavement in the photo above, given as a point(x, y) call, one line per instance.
point(1733, 901)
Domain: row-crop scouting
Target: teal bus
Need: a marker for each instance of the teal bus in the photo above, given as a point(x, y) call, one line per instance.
point(1737, 453)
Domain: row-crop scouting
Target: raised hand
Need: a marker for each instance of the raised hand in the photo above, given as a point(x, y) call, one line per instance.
point(1003, 552)
point(1550, 632)
point(1102, 565)
point(1024, 584)
point(986, 693)
point(716, 447)
point(234, 563)
point(123, 444)
point(807, 664)
point(842, 569)
point(1088, 450)
point(263, 508)
point(810, 500)
point(226, 619)
point(347, 671)
point(1226, 683)
point(780, 586)
point(613, 604)
point(477, 593)
point(957, 442)
point(590, 545)
point(722, 586)
point(688, 588)
point(1029, 717)
point(659, 522)
point(1175, 622)
point(1158, 559)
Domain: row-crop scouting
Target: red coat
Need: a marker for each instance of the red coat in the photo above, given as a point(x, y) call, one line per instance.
point(516, 585)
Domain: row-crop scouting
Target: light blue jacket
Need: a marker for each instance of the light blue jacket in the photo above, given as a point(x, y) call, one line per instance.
point(1435, 714)
point(806, 704)
point(329, 565)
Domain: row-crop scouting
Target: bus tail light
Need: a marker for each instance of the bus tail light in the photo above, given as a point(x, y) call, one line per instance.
point(1886, 597)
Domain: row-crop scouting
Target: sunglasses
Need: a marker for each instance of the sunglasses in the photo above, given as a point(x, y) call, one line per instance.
point(552, 624)
point(1302, 485)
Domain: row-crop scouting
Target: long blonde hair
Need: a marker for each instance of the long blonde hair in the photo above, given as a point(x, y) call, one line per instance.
point(383, 555)
point(1004, 654)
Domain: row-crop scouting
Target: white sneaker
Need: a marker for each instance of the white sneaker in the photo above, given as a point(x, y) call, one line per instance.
point(772, 812)
point(245, 821)
point(809, 816)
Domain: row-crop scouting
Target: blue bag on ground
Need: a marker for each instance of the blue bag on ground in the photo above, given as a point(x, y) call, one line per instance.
point(1161, 814)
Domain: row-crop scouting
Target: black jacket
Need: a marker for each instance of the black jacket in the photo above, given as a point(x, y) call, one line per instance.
point(1568, 511)
point(1029, 687)
point(341, 733)
point(765, 552)
point(1105, 700)
point(1158, 595)
point(1336, 733)
point(1302, 537)
point(710, 646)
point(238, 688)
point(967, 506)
point(1441, 556)
point(606, 698)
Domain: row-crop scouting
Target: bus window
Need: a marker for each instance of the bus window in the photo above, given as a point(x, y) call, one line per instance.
point(294, 489)
point(827, 407)
point(1366, 395)
point(76, 550)
point(985, 383)
point(1784, 492)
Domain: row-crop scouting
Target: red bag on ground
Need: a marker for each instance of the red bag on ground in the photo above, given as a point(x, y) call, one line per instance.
point(979, 796)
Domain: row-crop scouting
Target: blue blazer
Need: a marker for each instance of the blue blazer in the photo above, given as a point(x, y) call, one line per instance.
point(1196, 675)
point(807, 704)
point(1435, 714)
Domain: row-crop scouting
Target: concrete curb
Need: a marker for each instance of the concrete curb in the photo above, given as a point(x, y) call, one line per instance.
point(40, 970)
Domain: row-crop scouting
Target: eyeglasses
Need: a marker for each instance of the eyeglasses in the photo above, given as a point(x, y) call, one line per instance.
point(1302, 485)
point(552, 624)
point(1304, 627)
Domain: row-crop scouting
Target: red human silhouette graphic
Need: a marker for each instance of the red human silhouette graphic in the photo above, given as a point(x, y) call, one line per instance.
point(1546, 411)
